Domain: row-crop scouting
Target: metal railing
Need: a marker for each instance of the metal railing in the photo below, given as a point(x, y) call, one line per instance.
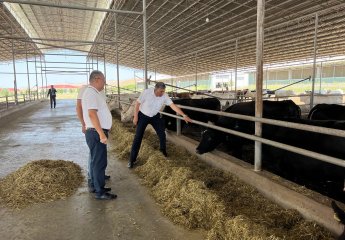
point(310, 128)
point(304, 127)
point(7, 102)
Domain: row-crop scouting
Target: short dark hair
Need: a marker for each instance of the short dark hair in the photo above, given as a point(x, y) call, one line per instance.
point(160, 85)
point(94, 74)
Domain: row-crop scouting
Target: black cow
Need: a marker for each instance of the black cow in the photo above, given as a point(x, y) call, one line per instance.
point(327, 112)
point(271, 109)
point(207, 103)
point(320, 176)
point(323, 177)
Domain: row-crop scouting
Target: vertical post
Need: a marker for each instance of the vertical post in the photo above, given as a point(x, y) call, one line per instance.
point(321, 69)
point(196, 73)
point(45, 73)
point(42, 89)
point(236, 62)
point(88, 71)
point(135, 82)
point(27, 70)
point(14, 72)
point(105, 73)
point(314, 63)
point(105, 67)
point(91, 63)
point(97, 56)
point(267, 77)
point(36, 78)
point(117, 62)
point(145, 43)
point(259, 79)
point(178, 126)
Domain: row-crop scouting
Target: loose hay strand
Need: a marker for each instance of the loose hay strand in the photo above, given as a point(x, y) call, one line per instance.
point(196, 195)
point(40, 181)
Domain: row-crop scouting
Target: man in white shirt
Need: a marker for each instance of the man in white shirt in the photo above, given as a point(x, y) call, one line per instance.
point(79, 110)
point(98, 121)
point(146, 112)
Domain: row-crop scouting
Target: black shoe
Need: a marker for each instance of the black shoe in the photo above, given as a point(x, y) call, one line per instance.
point(106, 177)
point(93, 190)
point(164, 152)
point(130, 164)
point(106, 196)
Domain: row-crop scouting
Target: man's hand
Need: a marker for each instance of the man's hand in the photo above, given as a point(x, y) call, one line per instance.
point(103, 138)
point(135, 120)
point(187, 119)
point(83, 129)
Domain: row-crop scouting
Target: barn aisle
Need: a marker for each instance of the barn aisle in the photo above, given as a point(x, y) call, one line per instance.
point(41, 133)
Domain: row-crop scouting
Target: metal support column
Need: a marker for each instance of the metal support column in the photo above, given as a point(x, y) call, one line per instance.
point(97, 56)
point(259, 80)
point(36, 78)
point(45, 73)
point(196, 73)
point(117, 62)
point(178, 126)
point(105, 74)
point(236, 63)
point(27, 71)
point(145, 43)
point(43, 90)
point(314, 63)
point(105, 68)
point(87, 71)
point(14, 73)
point(321, 69)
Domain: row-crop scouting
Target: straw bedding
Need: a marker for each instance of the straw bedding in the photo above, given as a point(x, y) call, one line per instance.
point(40, 181)
point(196, 195)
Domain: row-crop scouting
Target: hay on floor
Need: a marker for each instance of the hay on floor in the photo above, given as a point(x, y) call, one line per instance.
point(40, 181)
point(195, 195)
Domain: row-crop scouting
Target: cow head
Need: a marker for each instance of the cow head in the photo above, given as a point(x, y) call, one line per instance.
point(210, 139)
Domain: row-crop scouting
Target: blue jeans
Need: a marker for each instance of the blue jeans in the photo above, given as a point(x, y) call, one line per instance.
point(89, 172)
point(98, 163)
point(143, 120)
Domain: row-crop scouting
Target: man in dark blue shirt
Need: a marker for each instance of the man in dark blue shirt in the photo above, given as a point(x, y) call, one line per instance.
point(52, 92)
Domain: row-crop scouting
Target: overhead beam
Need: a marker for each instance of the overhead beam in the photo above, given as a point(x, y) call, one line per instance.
point(46, 4)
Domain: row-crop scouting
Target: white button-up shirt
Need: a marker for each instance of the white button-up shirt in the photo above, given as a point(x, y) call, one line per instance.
point(93, 99)
point(150, 104)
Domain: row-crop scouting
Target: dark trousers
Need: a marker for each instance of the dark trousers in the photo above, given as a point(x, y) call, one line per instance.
point(52, 100)
point(143, 120)
point(98, 163)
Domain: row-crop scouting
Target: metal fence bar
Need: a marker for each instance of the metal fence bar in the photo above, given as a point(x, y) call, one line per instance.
point(310, 128)
point(322, 157)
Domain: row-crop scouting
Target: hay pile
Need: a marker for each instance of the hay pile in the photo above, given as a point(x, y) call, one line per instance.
point(40, 181)
point(196, 195)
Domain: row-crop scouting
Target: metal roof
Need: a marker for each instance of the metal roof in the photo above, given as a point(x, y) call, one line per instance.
point(181, 40)
point(184, 36)
point(10, 26)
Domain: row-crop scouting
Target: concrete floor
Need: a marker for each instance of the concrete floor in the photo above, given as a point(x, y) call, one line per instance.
point(38, 132)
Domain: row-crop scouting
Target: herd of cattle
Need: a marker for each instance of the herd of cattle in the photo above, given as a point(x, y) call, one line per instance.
point(317, 175)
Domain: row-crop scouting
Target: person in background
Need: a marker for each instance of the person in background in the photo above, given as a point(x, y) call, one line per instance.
point(52, 93)
point(146, 112)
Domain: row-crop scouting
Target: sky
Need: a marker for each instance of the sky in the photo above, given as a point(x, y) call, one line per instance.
point(73, 73)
